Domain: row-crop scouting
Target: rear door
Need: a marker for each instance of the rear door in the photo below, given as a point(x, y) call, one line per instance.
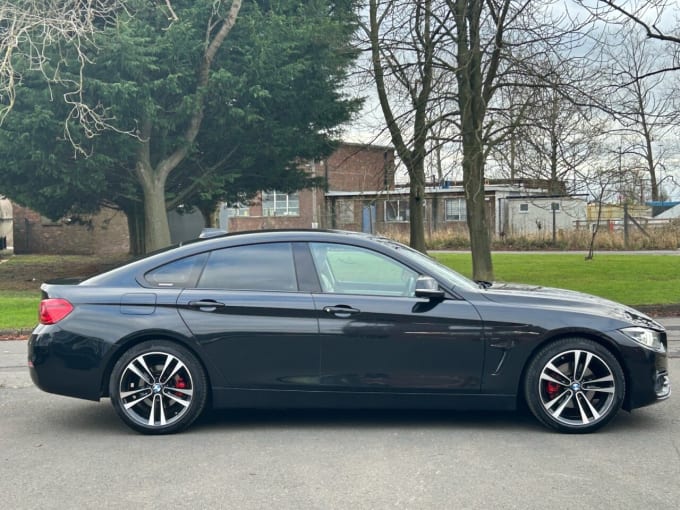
point(252, 320)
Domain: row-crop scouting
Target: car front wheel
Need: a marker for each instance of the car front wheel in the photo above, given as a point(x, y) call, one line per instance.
point(574, 385)
point(158, 387)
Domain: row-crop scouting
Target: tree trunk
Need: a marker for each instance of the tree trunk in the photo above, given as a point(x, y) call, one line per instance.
point(211, 215)
point(417, 208)
point(474, 93)
point(156, 227)
point(480, 244)
point(135, 221)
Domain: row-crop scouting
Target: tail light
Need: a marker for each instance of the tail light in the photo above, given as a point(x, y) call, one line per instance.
point(54, 310)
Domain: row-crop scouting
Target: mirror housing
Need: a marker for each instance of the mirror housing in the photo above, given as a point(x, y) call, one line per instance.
point(427, 287)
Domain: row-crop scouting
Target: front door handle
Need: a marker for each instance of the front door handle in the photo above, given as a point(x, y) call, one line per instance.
point(206, 305)
point(341, 311)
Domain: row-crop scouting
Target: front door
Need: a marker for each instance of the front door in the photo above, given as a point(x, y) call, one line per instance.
point(376, 335)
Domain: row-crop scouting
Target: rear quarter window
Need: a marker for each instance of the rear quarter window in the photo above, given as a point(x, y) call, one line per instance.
point(182, 273)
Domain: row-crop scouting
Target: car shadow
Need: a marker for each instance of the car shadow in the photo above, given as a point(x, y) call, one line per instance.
point(90, 418)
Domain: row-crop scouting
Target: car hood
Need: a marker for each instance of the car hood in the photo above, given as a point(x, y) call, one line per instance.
point(535, 295)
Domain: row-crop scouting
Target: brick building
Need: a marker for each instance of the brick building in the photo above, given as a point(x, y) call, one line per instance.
point(105, 233)
point(356, 168)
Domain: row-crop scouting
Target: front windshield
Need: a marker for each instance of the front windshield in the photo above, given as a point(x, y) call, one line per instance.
point(435, 269)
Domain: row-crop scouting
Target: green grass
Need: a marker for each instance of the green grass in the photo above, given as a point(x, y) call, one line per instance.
point(19, 309)
point(630, 279)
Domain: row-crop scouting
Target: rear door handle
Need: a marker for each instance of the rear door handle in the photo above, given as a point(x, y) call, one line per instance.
point(207, 305)
point(342, 311)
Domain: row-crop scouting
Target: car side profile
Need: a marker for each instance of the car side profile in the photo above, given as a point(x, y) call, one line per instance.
point(331, 319)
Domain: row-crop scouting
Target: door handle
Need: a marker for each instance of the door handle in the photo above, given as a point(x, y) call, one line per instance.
point(342, 311)
point(204, 304)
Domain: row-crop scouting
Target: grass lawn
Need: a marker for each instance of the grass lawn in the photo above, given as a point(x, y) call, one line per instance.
point(629, 279)
point(21, 276)
point(19, 309)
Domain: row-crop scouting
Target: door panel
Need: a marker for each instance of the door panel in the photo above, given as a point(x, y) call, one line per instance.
point(257, 339)
point(392, 343)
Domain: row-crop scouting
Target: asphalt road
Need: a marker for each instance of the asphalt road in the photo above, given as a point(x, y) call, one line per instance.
point(58, 453)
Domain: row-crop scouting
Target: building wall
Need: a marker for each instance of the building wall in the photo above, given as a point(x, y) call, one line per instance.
point(354, 167)
point(105, 233)
point(6, 225)
point(346, 212)
point(535, 216)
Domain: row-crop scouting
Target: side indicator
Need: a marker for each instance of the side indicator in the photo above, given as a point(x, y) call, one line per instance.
point(54, 310)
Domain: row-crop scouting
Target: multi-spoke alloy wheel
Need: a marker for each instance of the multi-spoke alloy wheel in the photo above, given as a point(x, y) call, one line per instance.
point(158, 388)
point(574, 385)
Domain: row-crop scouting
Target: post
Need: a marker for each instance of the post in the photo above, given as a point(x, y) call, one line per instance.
point(625, 225)
point(315, 218)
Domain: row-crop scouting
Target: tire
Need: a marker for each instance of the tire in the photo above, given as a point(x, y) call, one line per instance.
point(158, 387)
point(574, 385)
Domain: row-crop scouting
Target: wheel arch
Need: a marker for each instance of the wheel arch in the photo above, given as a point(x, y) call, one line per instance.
point(128, 343)
point(595, 336)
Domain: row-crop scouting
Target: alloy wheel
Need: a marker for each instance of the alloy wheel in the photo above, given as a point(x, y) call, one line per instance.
point(577, 388)
point(156, 389)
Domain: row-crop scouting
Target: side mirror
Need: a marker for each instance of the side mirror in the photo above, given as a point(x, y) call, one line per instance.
point(427, 287)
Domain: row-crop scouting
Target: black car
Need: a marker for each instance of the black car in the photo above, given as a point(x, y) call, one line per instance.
point(342, 320)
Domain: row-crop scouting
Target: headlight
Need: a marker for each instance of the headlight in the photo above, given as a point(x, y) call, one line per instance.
point(647, 337)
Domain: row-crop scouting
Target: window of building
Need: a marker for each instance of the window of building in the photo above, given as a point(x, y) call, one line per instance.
point(397, 210)
point(267, 267)
point(238, 209)
point(455, 209)
point(276, 203)
point(524, 208)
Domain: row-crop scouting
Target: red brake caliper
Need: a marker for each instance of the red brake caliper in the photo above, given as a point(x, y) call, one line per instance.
point(552, 389)
point(179, 384)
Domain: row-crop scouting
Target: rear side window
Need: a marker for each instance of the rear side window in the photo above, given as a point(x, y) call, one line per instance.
point(268, 267)
point(182, 273)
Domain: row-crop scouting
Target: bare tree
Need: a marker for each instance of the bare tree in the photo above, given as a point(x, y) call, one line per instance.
point(644, 107)
point(649, 17)
point(552, 136)
point(403, 37)
point(33, 31)
point(498, 44)
point(439, 66)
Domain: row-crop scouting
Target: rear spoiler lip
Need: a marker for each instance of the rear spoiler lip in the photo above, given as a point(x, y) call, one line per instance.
point(65, 281)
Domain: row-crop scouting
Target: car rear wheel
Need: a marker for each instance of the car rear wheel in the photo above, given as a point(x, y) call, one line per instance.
point(574, 385)
point(158, 387)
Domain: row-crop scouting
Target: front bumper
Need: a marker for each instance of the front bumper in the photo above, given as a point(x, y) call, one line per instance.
point(647, 379)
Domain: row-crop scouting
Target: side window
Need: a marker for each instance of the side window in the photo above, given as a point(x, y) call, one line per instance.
point(181, 273)
point(255, 267)
point(347, 269)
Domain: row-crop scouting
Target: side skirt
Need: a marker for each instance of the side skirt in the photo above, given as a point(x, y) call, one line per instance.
point(240, 398)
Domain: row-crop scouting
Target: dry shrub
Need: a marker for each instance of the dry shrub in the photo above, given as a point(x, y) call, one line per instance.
point(666, 237)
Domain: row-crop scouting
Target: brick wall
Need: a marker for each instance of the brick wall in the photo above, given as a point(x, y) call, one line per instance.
point(105, 233)
point(360, 168)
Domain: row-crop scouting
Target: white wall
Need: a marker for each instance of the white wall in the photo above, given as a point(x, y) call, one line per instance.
point(7, 223)
point(534, 215)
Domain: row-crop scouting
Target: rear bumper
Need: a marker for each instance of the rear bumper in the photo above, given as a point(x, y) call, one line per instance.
point(65, 364)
